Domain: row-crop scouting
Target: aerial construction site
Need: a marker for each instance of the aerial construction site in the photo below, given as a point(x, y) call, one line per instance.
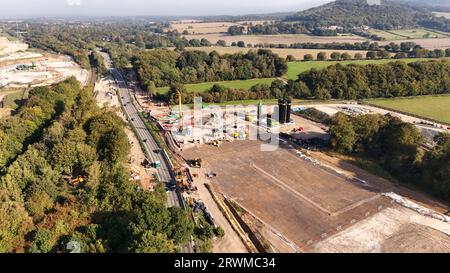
point(183, 127)
point(294, 198)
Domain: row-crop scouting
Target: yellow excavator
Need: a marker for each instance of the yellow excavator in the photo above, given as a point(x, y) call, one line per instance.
point(77, 181)
point(197, 163)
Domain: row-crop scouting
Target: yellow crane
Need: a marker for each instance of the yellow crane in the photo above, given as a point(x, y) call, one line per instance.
point(180, 102)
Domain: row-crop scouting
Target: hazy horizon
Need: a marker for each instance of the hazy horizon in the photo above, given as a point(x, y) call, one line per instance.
point(43, 8)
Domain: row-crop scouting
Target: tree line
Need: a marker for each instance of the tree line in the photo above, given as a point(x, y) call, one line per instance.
point(64, 178)
point(394, 79)
point(397, 147)
point(164, 67)
point(351, 82)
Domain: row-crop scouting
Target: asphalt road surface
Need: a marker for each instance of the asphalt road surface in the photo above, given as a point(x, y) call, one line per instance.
point(164, 173)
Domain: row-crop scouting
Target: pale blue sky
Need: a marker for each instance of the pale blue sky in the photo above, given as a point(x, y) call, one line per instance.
point(150, 7)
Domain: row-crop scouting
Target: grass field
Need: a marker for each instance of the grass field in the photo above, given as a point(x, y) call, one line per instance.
point(418, 33)
point(432, 107)
point(200, 87)
point(296, 68)
point(12, 97)
point(384, 34)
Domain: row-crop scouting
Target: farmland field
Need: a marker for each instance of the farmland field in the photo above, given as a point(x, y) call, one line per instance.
point(296, 68)
point(442, 14)
point(208, 27)
point(384, 34)
point(282, 52)
point(277, 39)
point(419, 33)
point(433, 107)
point(409, 34)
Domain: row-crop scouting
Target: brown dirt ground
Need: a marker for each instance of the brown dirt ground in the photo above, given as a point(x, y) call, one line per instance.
point(393, 230)
point(276, 39)
point(304, 202)
point(384, 185)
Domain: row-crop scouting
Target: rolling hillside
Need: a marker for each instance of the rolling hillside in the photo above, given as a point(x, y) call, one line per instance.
point(351, 14)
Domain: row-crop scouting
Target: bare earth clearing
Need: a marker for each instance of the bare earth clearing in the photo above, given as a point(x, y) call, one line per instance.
point(305, 203)
point(49, 68)
point(394, 230)
point(292, 196)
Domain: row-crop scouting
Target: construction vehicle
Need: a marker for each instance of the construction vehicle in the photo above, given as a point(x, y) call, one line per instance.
point(157, 164)
point(216, 143)
point(197, 163)
point(77, 181)
point(199, 205)
point(147, 164)
point(249, 118)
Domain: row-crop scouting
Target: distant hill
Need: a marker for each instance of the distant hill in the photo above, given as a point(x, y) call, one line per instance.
point(350, 14)
point(433, 5)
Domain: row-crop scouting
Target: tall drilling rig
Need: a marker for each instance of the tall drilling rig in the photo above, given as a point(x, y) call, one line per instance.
point(180, 103)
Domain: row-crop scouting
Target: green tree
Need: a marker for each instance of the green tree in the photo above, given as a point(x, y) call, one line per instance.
point(335, 56)
point(241, 44)
point(222, 43)
point(150, 243)
point(322, 56)
point(42, 241)
point(346, 56)
point(358, 56)
point(151, 89)
point(181, 226)
point(343, 136)
point(308, 57)
point(14, 224)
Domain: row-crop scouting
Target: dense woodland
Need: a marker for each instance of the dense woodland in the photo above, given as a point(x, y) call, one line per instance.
point(352, 82)
point(60, 134)
point(164, 67)
point(395, 79)
point(397, 147)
